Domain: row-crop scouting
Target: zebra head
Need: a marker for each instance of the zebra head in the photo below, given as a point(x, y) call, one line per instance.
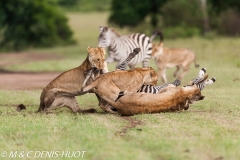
point(104, 39)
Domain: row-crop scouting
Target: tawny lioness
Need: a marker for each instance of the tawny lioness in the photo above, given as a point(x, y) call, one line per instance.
point(169, 58)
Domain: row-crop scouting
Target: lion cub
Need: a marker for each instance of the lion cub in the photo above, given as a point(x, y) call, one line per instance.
point(63, 89)
point(169, 58)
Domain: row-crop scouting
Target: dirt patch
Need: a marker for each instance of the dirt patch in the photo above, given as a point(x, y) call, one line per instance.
point(25, 81)
point(132, 123)
point(19, 58)
point(10, 80)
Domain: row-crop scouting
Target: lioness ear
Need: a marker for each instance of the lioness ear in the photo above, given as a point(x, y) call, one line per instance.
point(153, 74)
point(161, 44)
point(103, 49)
point(91, 51)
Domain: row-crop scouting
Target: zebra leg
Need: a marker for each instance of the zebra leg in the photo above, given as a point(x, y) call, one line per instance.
point(203, 84)
point(210, 81)
point(123, 65)
point(177, 82)
point(89, 73)
point(119, 95)
point(199, 77)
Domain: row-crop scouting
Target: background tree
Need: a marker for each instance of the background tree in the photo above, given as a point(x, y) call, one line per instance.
point(178, 18)
point(225, 16)
point(37, 23)
point(132, 12)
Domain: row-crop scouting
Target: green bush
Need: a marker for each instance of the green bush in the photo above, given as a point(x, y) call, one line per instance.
point(32, 23)
point(181, 31)
point(84, 5)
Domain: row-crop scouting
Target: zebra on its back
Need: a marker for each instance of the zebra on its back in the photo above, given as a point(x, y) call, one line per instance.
point(120, 46)
point(156, 89)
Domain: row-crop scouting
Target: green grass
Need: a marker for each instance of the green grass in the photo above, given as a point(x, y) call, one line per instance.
point(209, 130)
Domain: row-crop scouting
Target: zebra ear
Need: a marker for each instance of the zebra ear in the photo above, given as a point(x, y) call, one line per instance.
point(101, 29)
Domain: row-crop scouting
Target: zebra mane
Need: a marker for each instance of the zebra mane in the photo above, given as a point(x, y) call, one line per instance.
point(115, 32)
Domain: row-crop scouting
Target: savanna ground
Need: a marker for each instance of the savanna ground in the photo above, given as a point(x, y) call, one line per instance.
point(209, 130)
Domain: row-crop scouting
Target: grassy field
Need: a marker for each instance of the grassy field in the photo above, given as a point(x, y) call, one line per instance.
point(209, 130)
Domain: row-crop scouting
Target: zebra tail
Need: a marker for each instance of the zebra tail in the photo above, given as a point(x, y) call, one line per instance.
point(155, 34)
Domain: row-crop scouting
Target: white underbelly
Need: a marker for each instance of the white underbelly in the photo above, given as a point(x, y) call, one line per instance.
point(171, 65)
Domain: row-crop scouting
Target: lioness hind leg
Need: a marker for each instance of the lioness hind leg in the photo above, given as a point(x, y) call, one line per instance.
point(47, 100)
point(57, 103)
point(71, 103)
point(105, 106)
point(176, 71)
point(185, 70)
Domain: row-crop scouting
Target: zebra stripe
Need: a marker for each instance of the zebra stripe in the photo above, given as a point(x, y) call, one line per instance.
point(120, 46)
point(156, 89)
point(201, 86)
point(152, 89)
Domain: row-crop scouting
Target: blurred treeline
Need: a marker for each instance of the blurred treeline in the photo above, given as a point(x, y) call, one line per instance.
point(179, 18)
point(42, 23)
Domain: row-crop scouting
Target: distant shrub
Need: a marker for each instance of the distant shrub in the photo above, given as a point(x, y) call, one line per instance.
point(84, 5)
point(32, 23)
point(230, 22)
point(181, 31)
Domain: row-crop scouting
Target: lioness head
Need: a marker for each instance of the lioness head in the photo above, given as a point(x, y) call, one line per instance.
point(157, 49)
point(96, 57)
point(149, 75)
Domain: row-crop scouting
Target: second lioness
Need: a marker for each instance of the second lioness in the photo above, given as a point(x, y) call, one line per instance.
point(172, 57)
point(114, 82)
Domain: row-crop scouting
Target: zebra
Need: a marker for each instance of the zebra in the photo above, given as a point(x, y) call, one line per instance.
point(201, 86)
point(119, 46)
point(156, 89)
point(144, 88)
point(197, 81)
point(200, 75)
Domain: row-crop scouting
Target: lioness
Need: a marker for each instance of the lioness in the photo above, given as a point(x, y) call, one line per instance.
point(108, 85)
point(174, 99)
point(171, 99)
point(63, 89)
point(169, 58)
